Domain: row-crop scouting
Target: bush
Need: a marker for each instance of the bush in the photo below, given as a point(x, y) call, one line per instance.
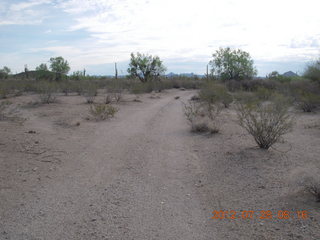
point(102, 111)
point(263, 94)
point(114, 91)
point(90, 92)
point(4, 90)
point(67, 87)
point(307, 179)
point(215, 93)
point(47, 92)
point(3, 106)
point(139, 87)
point(233, 85)
point(265, 122)
point(313, 71)
point(306, 94)
point(308, 101)
point(203, 117)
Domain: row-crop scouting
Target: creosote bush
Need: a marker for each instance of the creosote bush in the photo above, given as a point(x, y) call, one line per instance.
point(266, 122)
point(203, 117)
point(215, 93)
point(102, 111)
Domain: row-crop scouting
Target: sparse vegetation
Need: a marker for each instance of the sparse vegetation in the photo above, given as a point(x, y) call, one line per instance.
point(307, 179)
point(3, 106)
point(90, 92)
point(266, 122)
point(47, 92)
point(215, 93)
point(203, 117)
point(102, 111)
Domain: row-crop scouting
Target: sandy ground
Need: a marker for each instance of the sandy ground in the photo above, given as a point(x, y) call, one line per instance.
point(144, 175)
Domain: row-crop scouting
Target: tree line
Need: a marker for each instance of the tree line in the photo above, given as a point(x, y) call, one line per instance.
point(226, 64)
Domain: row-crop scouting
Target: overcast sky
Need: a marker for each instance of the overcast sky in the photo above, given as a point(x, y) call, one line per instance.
point(93, 34)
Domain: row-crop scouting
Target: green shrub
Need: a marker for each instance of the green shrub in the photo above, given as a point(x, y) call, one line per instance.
point(306, 94)
point(313, 71)
point(265, 122)
point(102, 111)
point(4, 90)
point(67, 87)
point(308, 101)
point(140, 87)
point(263, 93)
point(215, 93)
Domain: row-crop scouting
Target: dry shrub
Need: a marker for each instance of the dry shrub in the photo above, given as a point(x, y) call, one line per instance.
point(264, 94)
point(108, 99)
point(266, 122)
point(90, 93)
point(3, 107)
point(308, 101)
point(47, 92)
point(203, 117)
point(102, 111)
point(307, 179)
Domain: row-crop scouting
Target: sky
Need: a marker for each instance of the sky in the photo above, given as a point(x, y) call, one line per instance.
point(280, 35)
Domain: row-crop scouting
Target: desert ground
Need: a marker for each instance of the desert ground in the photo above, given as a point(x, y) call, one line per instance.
point(144, 175)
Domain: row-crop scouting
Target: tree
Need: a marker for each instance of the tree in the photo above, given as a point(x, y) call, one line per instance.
point(312, 71)
point(4, 72)
point(228, 64)
point(42, 67)
point(59, 66)
point(145, 67)
point(273, 75)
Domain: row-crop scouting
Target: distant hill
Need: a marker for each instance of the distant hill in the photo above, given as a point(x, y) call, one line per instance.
point(290, 74)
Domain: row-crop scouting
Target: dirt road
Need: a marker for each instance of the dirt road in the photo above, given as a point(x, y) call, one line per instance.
point(134, 177)
point(143, 175)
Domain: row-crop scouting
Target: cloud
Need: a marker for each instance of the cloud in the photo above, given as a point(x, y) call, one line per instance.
point(97, 32)
point(24, 5)
point(23, 13)
point(168, 27)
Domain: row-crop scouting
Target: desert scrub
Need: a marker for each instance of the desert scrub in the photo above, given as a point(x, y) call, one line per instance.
point(308, 101)
point(203, 117)
point(47, 92)
point(3, 107)
point(306, 179)
point(265, 122)
point(90, 92)
point(215, 93)
point(114, 91)
point(102, 111)
point(264, 94)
